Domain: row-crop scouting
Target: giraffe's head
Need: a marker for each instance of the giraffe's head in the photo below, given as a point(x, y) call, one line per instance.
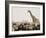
point(29, 11)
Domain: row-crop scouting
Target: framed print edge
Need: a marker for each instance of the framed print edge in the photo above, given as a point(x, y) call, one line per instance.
point(7, 18)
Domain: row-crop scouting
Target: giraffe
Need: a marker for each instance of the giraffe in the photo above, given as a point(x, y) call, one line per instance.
point(34, 19)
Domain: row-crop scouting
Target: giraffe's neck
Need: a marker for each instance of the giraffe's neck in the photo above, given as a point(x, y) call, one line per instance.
point(31, 15)
point(34, 19)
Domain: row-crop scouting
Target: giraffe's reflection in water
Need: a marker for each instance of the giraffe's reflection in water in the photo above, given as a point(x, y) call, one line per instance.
point(34, 25)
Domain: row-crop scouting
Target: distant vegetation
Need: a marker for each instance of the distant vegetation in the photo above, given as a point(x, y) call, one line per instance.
point(24, 26)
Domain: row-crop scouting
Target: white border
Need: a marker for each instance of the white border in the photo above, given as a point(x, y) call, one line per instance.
point(25, 32)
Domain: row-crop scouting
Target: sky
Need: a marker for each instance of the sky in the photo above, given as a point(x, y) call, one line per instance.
point(20, 14)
